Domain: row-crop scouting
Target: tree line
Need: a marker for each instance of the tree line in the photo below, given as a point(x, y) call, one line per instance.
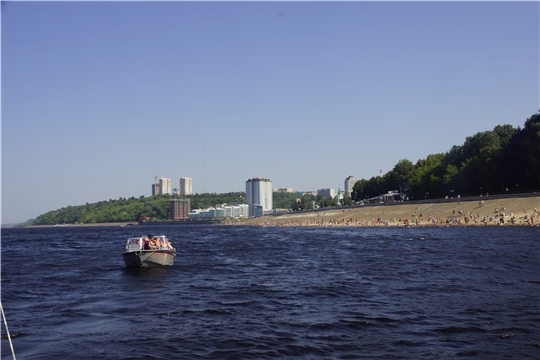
point(505, 159)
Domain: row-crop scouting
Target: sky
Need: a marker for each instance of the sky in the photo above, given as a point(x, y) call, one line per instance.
point(98, 98)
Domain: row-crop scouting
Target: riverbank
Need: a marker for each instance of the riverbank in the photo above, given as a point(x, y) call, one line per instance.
point(497, 211)
point(485, 212)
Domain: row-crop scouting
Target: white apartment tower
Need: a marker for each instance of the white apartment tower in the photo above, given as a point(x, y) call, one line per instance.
point(259, 192)
point(165, 186)
point(186, 186)
point(349, 184)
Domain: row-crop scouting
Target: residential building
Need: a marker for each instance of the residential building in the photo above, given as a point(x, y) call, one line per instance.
point(165, 186)
point(328, 193)
point(179, 209)
point(186, 186)
point(259, 192)
point(220, 213)
point(227, 212)
point(349, 184)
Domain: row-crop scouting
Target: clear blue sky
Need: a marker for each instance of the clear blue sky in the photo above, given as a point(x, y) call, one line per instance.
point(99, 97)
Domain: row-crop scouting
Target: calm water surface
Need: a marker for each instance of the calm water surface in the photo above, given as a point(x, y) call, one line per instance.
point(259, 293)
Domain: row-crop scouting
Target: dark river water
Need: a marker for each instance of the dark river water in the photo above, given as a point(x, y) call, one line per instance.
point(259, 293)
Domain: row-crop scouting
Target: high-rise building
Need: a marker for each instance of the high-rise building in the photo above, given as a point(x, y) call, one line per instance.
point(186, 186)
point(155, 189)
point(349, 184)
point(259, 192)
point(165, 186)
point(179, 209)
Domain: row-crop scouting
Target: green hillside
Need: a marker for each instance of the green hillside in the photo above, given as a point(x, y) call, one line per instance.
point(152, 208)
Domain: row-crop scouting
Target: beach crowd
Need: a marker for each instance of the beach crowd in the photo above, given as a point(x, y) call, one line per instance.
point(458, 218)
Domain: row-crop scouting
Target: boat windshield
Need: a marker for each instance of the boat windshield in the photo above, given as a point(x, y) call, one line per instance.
point(145, 243)
point(134, 244)
point(161, 241)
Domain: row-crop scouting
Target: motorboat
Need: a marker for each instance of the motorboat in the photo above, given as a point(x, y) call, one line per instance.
point(148, 251)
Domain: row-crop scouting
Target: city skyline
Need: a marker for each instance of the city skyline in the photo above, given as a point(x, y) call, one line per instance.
point(164, 186)
point(97, 94)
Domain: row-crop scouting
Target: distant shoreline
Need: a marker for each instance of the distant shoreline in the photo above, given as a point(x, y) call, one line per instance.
point(121, 224)
point(422, 213)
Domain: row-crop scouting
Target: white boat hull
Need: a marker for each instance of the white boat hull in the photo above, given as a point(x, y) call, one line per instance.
point(149, 258)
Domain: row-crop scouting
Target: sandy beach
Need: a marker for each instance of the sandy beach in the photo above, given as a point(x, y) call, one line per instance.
point(486, 211)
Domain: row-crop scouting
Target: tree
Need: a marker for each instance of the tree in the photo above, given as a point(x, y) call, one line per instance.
point(358, 192)
point(327, 202)
point(400, 175)
point(347, 200)
point(523, 155)
point(427, 176)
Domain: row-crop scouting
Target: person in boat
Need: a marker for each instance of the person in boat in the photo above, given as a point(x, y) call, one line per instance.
point(148, 242)
point(154, 243)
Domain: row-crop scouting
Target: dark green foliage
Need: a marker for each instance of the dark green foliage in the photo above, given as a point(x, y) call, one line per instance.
point(347, 200)
point(284, 200)
point(202, 201)
point(487, 162)
point(305, 202)
point(327, 202)
point(121, 210)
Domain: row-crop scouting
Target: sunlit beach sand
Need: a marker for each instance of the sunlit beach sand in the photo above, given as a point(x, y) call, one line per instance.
point(484, 212)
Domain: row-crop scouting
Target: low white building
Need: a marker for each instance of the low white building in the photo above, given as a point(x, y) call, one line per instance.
point(221, 212)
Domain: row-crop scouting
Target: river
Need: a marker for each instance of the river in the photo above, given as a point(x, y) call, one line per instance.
point(260, 293)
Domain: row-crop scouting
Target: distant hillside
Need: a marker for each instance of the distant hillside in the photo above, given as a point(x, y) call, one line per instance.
point(153, 208)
